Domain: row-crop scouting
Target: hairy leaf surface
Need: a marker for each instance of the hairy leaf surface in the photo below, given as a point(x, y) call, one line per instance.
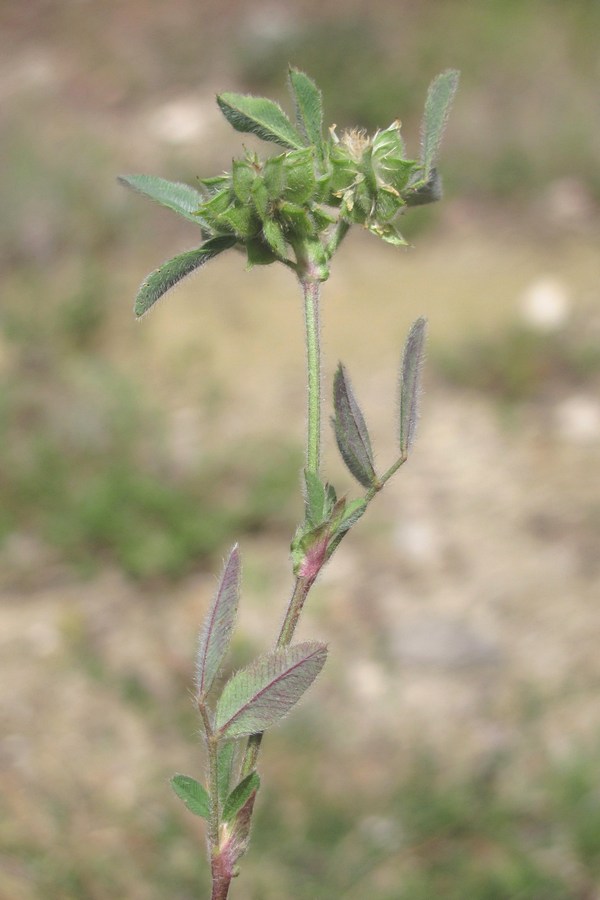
point(170, 273)
point(259, 116)
point(218, 626)
point(261, 694)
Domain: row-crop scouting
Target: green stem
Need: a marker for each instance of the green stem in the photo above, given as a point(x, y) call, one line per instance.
point(385, 477)
point(312, 291)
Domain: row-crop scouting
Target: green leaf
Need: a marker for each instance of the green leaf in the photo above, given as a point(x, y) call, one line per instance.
point(193, 795)
point(315, 498)
point(170, 273)
point(274, 237)
point(259, 116)
point(225, 756)
point(181, 198)
point(309, 108)
point(351, 432)
point(300, 180)
point(242, 177)
point(351, 514)
point(215, 636)
point(261, 694)
point(260, 198)
point(241, 220)
point(410, 383)
point(259, 253)
point(437, 108)
point(240, 796)
point(273, 176)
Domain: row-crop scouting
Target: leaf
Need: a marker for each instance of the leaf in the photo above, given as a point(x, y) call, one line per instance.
point(261, 694)
point(225, 755)
point(410, 383)
point(315, 497)
point(181, 198)
point(170, 273)
point(193, 795)
point(274, 237)
point(309, 108)
point(437, 108)
point(216, 632)
point(351, 432)
point(240, 796)
point(259, 116)
point(351, 514)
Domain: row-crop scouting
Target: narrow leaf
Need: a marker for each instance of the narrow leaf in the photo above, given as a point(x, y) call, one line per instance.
point(193, 795)
point(181, 198)
point(437, 108)
point(351, 432)
point(261, 694)
point(352, 513)
point(410, 383)
point(240, 795)
point(259, 116)
point(309, 107)
point(216, 632)
point(225, 757)
point(170, 273)
point(315, 497)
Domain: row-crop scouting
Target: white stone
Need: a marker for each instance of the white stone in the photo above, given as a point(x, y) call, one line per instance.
point(578, 419)
point(545, 304)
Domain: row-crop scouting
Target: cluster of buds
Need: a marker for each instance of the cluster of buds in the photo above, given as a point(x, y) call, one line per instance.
point(296, 206)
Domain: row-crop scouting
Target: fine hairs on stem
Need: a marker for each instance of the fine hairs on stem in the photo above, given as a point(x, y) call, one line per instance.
point(294, 208)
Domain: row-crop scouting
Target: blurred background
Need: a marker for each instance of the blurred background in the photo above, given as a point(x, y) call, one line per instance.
point(451, 747)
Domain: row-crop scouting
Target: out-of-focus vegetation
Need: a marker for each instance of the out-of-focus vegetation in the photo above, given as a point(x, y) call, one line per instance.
point(103, 469)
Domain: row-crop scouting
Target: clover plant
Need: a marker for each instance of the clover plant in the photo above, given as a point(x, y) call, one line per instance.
point(293, 207)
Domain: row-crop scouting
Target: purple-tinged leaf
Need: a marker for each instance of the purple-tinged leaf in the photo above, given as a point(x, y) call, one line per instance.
point(259, 116)
point(193, 795)
point(218, 625)
point(351, 432)
point(170, 273)
point(261, 694)
point(410, 384)
point(235, 837)
point(240, 796)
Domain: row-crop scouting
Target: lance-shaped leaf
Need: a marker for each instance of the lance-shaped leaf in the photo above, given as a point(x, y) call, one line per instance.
point(193, 795)
point(240, 796)
point(351, 432)
point(410, 383)
point(225, 757)
point(309, 108)
point(218, 625)
point(181, 198)
point(437, 108)
point(262, 693)
point(170, 273)
point(259, 116)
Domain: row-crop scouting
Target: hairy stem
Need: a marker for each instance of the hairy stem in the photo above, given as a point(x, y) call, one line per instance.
point(312, 291)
